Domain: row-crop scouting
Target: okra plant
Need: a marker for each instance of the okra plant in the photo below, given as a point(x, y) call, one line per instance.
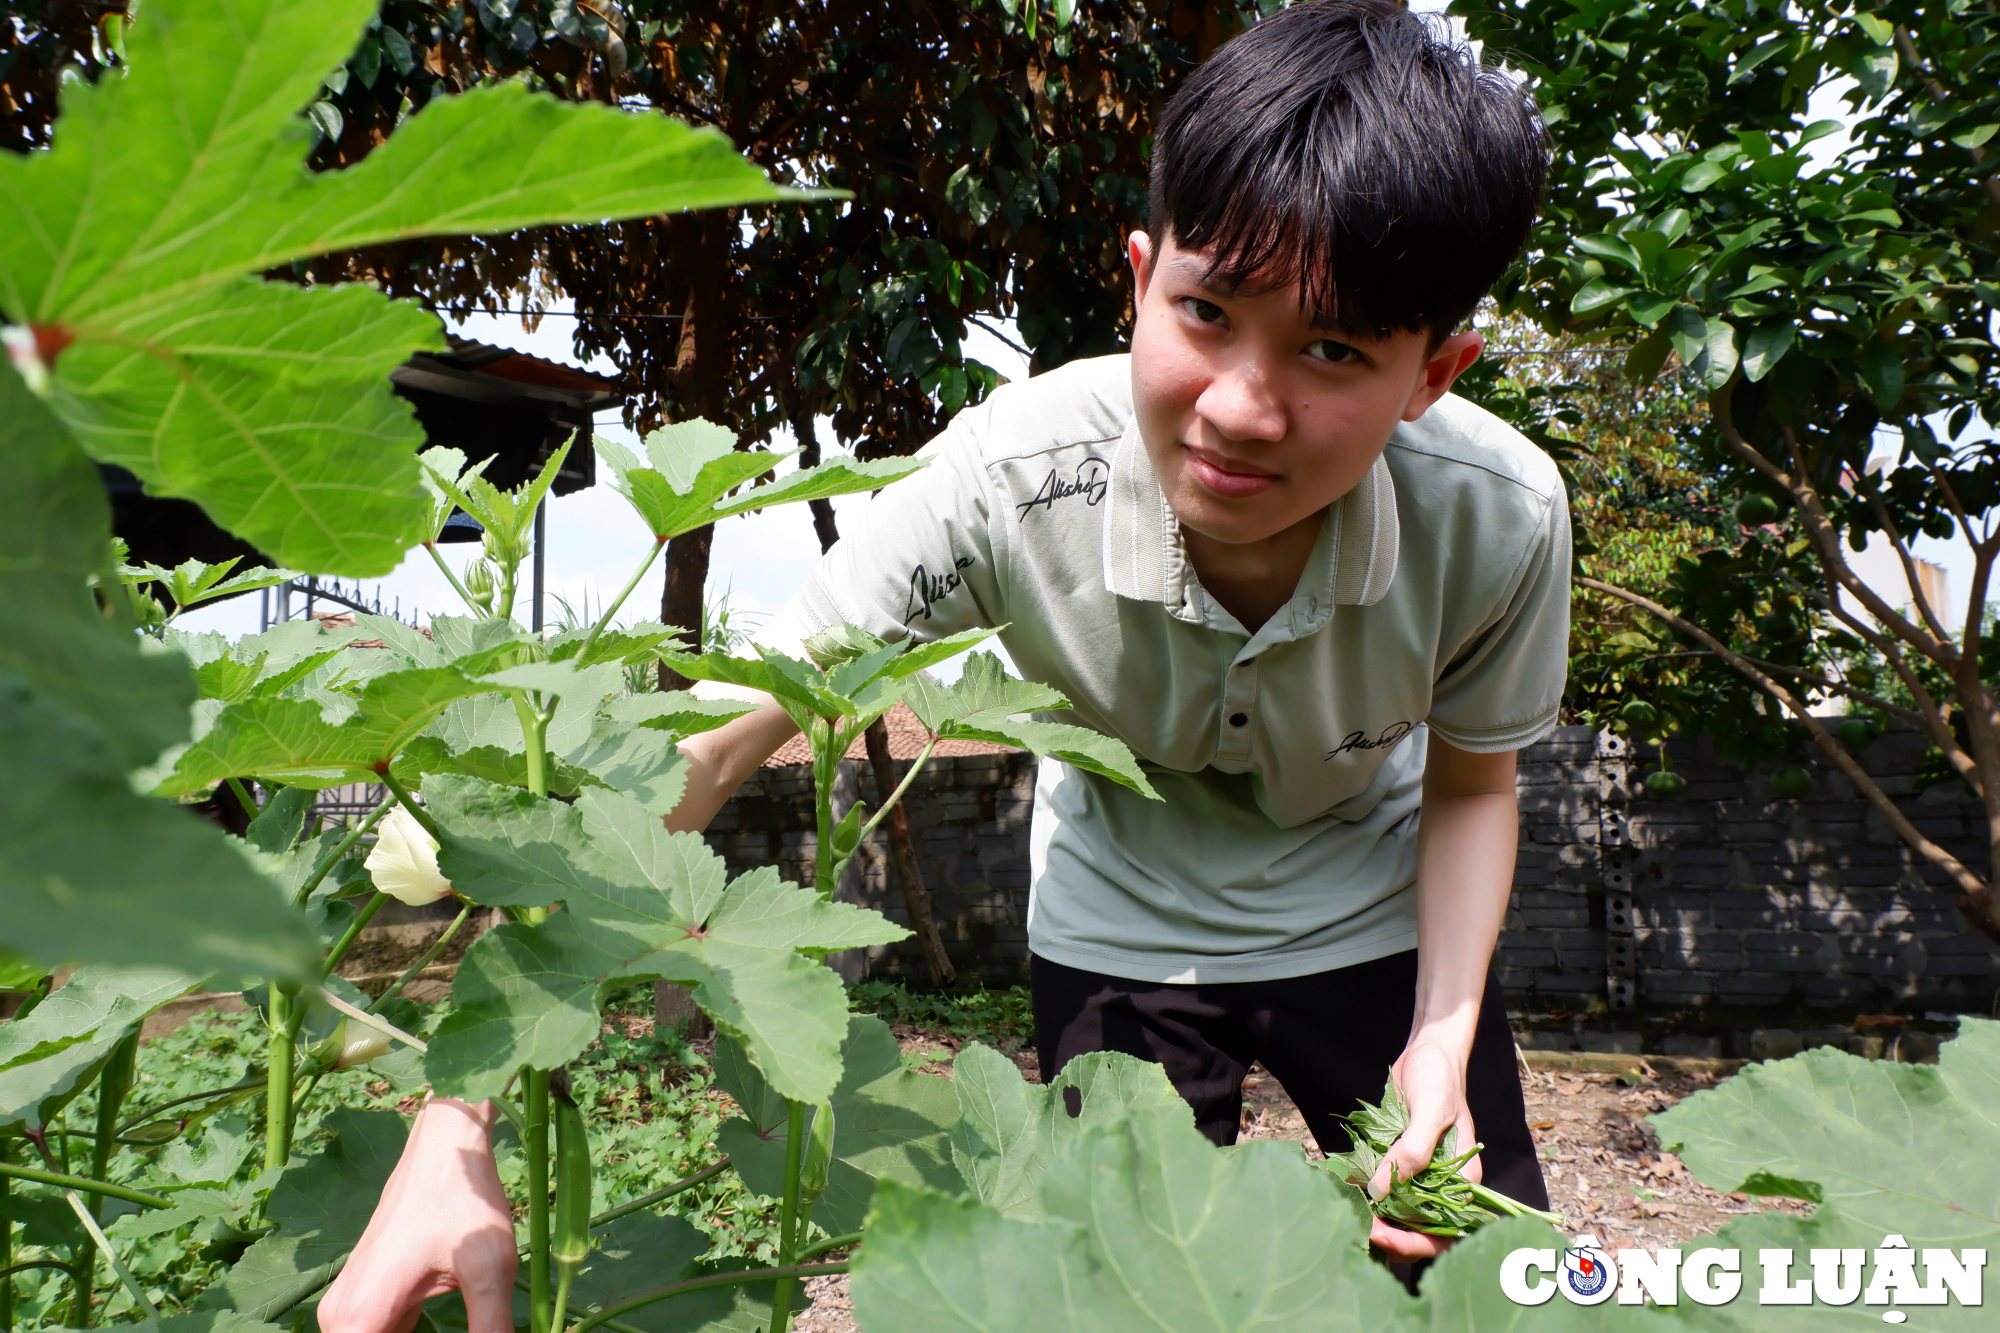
point(523, 775)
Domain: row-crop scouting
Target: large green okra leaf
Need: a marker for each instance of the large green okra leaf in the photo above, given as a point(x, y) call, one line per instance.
point(1146, 1226)
point(638, 903)
point(981, 705)
point(1009, 1130)
point(83, 702)
point(134, 243)
point(320, 1207)
point(694, 465)
point(889, 1123)
point(291, 741)
point(51, 1053)
point(1883, 1148)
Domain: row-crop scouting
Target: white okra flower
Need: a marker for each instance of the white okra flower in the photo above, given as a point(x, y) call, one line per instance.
point(404, 862)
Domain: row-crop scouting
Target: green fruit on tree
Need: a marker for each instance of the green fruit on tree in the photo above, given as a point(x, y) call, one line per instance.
point(1638, 713)
point(1855, 732)
point(1861, 677)
point(1754, 511)
point(1791, 782)
point(1777, 627)
point(1663, 782)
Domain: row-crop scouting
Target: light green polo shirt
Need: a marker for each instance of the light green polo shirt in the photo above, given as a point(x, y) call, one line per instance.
point(1437, 599)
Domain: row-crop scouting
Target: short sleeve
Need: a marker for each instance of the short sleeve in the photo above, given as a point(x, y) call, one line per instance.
point(918, 561)
point(1502, 690)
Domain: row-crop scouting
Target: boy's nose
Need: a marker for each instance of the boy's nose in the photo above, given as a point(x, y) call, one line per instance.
point(1240, 404)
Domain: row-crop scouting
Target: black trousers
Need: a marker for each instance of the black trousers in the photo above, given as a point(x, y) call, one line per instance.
point(1328, 1038)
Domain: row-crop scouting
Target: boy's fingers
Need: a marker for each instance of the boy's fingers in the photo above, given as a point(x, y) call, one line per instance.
point(489, 1302)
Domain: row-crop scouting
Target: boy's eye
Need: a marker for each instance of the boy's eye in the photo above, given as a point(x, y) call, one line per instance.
point(1208, 312)
point(1334, 353)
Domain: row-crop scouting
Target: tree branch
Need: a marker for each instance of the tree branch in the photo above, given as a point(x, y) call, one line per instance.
point(1970, 884)
point(1918, 596)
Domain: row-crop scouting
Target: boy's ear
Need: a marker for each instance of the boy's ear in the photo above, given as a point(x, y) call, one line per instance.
point(1139, 253)
point(1453, 357)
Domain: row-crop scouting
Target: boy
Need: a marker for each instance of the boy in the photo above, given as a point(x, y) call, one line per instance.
point(1266, 550)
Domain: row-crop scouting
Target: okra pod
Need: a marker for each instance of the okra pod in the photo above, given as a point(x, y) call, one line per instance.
point(569, 1241)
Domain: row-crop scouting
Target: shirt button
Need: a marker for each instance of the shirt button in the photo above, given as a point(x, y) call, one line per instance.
point(1239, 719)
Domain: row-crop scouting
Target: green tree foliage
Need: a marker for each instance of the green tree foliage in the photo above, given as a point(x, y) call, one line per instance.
point(1815, 305)
point(996, 163)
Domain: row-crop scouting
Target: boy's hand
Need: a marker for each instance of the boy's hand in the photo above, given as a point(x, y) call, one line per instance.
point(1432, 1081)
point(443, 1224)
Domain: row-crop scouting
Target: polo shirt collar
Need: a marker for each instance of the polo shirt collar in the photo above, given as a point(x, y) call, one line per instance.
point(1352, 563)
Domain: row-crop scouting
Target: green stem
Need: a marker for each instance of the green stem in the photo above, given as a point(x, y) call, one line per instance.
point(425, 961)
point(509, 571)
point(409, 802)
point(897, 794)
point(7, 1265)
point(831, 1243)
point(826, 770)
point(112, 1086)
point(7, 1291)
point(788, 1215)
point(252, 1084)
point(521, 1284)
point(103, 1243)
point(375, 1021)
point(351, 934)
point(535, 1149)
point(243, 795)
point(452, 579)
point(659, 1195)
point(88, 1186)
point(784, 1275)
point(559, 1308)
point(534, 734)
point(604, 621)
point(341, 849)
point(1507, 1207)
point(278, 1078)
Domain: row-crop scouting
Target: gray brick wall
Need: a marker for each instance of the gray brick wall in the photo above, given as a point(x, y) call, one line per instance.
point(1722, 899)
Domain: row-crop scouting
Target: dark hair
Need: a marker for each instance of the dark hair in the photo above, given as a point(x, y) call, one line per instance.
point(1350, 146)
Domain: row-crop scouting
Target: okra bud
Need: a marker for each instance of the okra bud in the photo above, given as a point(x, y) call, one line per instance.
point(818, 1157)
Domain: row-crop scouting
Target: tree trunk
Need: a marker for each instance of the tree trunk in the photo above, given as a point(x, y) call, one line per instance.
point(681, 599)
point(916, 897)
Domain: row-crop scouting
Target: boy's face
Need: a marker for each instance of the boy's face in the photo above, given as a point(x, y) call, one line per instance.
point(1254, 419)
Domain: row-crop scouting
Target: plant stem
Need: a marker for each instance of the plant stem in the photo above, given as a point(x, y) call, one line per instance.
point(375, 1021)
point(409, 802)
point(7, 1265)
point(509, 571)
point(341, 849)
point(7, 1290)
point(278, 1078)
point(826, 771)
point(785, 1275)
point(534, 733)
point(83, 1183)
point(243, 795)
point(788, 1215)
point(659, 1195)
point(535, 1149)
point(423, 962)
point(897, 794)
point(603, 621)
point(103, 1243)
point(1507, 1207)
point(253, 1084)
point(831, 1243)
point(452, 579)
point(112, 1086)
point(351, 934)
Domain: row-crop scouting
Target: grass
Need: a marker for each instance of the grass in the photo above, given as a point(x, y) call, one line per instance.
point(651, 1102)
point(1000, 1018)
